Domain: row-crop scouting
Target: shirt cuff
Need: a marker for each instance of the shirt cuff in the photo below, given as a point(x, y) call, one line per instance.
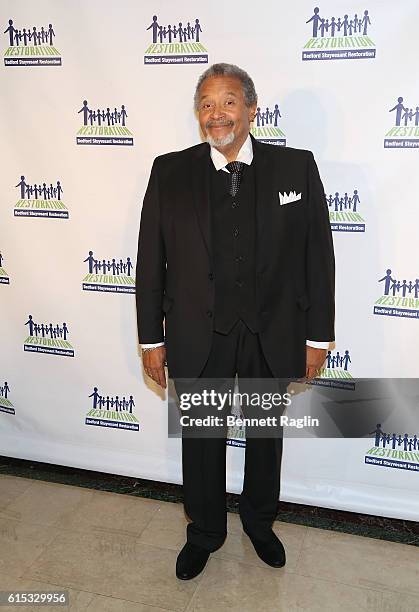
point(153, 345)
point(319, 345)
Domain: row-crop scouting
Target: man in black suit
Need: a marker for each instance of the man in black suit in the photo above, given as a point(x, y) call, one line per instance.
point(235, 255)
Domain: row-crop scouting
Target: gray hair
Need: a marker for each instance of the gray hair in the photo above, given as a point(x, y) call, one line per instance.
point(231, 70)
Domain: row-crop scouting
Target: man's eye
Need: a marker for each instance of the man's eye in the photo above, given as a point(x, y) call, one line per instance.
point(230, 102)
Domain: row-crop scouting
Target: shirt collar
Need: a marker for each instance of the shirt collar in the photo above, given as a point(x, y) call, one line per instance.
point(245, 155)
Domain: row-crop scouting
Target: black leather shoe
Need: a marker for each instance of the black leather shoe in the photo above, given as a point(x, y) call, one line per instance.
point(271, 552)
point(191, 561)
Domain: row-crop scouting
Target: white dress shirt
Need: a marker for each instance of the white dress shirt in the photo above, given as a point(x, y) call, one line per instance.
point(245, 155)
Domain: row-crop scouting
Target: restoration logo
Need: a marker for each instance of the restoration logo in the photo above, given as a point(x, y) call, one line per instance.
point(48, 338)
point(176, 44)
point(339, 38)
point(5, 403)
point(104, 126)
point(336, 371)
point(108, 275)
point(31, 46)
point(343, 212)
point(115, 412)
point(395, 450)
point(4, 277)
point(267, 126)
point(405, 133)
point(400, 297)
point(40, 200)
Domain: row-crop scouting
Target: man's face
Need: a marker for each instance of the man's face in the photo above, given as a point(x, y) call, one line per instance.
point(223, 115)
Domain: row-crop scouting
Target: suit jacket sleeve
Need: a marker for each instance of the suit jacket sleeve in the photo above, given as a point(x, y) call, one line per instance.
point(151, 266)
point(320, 261)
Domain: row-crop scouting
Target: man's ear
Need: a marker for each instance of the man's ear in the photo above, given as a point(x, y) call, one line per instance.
point(252, 112)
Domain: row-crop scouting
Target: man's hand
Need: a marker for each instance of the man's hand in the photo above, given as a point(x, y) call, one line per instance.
point(314, 361)
point(153, 362)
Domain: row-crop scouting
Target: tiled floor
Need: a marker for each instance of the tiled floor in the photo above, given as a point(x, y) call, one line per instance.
point(116, 553)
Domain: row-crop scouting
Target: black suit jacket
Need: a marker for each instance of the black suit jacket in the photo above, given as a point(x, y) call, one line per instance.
point(294, 259)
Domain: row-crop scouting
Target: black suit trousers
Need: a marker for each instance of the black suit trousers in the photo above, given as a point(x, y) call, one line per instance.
point(204, 458)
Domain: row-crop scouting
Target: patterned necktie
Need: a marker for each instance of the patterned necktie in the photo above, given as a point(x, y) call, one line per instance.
point(236, 170)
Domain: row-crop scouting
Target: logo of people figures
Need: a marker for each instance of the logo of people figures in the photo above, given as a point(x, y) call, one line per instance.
point(266, 125)
point(112, 275)
point(113, 411)
point(394, 450)
point(336, 371)
point(5, 403)
point(175, 43)
point(30, 45)
point(40, 199)
point(405, 132)
point(104, 126)
point(48, 338)
point(400, 297)
point(342, 37)
point(344, 211)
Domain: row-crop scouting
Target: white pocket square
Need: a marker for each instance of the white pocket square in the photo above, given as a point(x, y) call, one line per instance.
point(287, 198)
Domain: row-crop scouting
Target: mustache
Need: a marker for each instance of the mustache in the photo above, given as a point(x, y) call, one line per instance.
point(210, 124)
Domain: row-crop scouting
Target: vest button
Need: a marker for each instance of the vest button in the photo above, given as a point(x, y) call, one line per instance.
point(234, 205)
point(209, 313)
point(211, 276)
point(236, 232)
point(239, 283)
point(239, 258)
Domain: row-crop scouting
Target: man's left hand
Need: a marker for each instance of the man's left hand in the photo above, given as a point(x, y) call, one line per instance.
point(314, 361)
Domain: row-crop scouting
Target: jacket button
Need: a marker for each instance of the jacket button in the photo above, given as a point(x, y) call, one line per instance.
point(209, 313)
point(211, 276)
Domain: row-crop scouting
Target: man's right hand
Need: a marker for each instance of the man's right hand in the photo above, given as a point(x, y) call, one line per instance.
point(153, 362)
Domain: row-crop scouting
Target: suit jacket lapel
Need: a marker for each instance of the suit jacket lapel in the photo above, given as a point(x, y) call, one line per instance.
point(201, 192)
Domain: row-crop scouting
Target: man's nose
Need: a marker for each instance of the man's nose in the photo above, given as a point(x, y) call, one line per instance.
point(217, 112)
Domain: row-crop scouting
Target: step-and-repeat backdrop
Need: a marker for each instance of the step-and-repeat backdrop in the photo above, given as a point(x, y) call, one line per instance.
point(91, 92)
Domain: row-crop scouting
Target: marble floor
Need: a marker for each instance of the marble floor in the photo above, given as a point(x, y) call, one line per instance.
point(116, 553)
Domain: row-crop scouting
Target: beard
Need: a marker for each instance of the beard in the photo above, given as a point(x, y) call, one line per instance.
point(220, 142)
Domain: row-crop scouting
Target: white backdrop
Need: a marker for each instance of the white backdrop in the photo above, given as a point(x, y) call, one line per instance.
point(336, 107)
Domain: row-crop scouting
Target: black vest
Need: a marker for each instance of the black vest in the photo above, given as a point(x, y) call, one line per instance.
point(233, 232)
